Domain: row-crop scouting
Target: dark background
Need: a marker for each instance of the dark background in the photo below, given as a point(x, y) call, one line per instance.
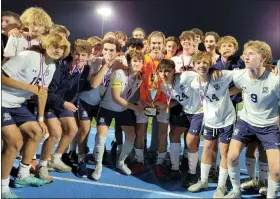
point(243, 19)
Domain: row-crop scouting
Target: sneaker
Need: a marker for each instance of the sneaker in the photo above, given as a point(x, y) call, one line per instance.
point(124, 169)
point(137, 168)
point(198, 186)
point(97, 172)
point(31, 180)
point(90, 159)
point(220, 192)
point(250, 184)
point(9, 194)
point(43, 173)
point(58, 166)
point(174, 174)
point(213, 175)
point(82, 170)
point(233, 194)
point(190, 180)
point(263, 190)
point(160, 172)
point(33, 166)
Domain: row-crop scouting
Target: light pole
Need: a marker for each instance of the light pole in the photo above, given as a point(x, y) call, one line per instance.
point(104, 12)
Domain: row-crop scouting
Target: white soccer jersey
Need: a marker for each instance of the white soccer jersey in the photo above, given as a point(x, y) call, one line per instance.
point(15, 45)
point(217, 106)
point(128, 84)
point(260, 97)
point(184, 94)
point(25, 67)
point(93, 96)
point(180, 61)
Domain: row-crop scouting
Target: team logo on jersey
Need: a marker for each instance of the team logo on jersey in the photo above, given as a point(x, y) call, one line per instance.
point(34, 71)
point(47, 72)
point(243, 87)
point(235, 132)
point(265, 90)
point(182, 87)
point(6, 117)
point(217, 87)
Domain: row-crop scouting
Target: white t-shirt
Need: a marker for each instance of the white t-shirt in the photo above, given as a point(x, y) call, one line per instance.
point(15, 45)
point(128, 84)
point(217, 106)
point(260, 97)
point(180, 61)
point(184, 94)
point(25, 67)
point(93, 96)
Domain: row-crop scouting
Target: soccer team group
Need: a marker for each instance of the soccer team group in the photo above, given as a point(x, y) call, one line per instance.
point(53, 90)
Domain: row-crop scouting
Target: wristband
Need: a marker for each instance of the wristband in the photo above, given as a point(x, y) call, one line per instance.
point(40, 119)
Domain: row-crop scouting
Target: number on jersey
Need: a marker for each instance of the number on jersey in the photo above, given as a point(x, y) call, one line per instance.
point(36, 80)
point(214, 97)
point(254, 98)
point(182, 97)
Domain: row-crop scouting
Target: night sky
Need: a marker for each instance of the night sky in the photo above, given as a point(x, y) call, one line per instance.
point(243, 19)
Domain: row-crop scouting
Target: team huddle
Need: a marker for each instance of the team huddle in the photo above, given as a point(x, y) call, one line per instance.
point(52, 90)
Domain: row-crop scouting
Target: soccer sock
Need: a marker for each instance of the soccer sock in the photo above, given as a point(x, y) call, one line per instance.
point(119, 149)
point(43, 163)
point(99, 149)
point(263, 172)
point(193, 160)
point(24, 171)
point(73, 145)
point(223, 174)
point(160, 157)
point(5, 185)
point(56, 157)
point(205, 168)
point(273, 188)
point(126, 149)
point(175, 149)
point(251, 167)
point(234, 174)
point(34, 157)
point(139, 154)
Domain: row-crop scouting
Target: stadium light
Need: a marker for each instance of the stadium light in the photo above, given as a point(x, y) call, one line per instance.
point(104, 12)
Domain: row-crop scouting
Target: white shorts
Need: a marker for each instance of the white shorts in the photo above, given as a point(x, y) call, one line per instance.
point(142, 118)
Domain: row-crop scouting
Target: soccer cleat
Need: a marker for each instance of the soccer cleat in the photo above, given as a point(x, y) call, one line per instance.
point(184, 165)
point(220, 192)
point(174, 174)
point(31, 180)
point(43, 173)
point(198, 186)
point(160, 172)
point(250, 184)
point(190, 180)
point(82, 171)
point(233, 194)
point(137, 168)
point(58, 166)
point(9, 194)
point(123, 168)
point(213, 175)
point(73, 157)
point(97, 172)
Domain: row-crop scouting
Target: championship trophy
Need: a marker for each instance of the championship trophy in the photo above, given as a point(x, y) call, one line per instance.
point(151, 111)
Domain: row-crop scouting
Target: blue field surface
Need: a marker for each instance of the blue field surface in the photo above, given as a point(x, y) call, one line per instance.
point(115, 185)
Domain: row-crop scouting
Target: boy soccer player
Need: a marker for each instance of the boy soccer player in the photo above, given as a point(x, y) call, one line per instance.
point(211, 40)
point(259, 116)
point(138, 33)
point(171, 46)
point(24, 75)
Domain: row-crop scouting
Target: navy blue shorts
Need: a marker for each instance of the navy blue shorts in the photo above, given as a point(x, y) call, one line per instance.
point(57, 113)
point(125, 118)
point(269, 136)
point(18, 116)
point(193, 122)
point(86, 111)
point(224, 133)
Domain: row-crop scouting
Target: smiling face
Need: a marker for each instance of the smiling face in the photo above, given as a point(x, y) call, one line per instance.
point(138, 34)
point(171, 48)
point(202, 66)
point(187, 43)
point(7, 24)
point(156, 45)
point(136, 64)
point(80, 58)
